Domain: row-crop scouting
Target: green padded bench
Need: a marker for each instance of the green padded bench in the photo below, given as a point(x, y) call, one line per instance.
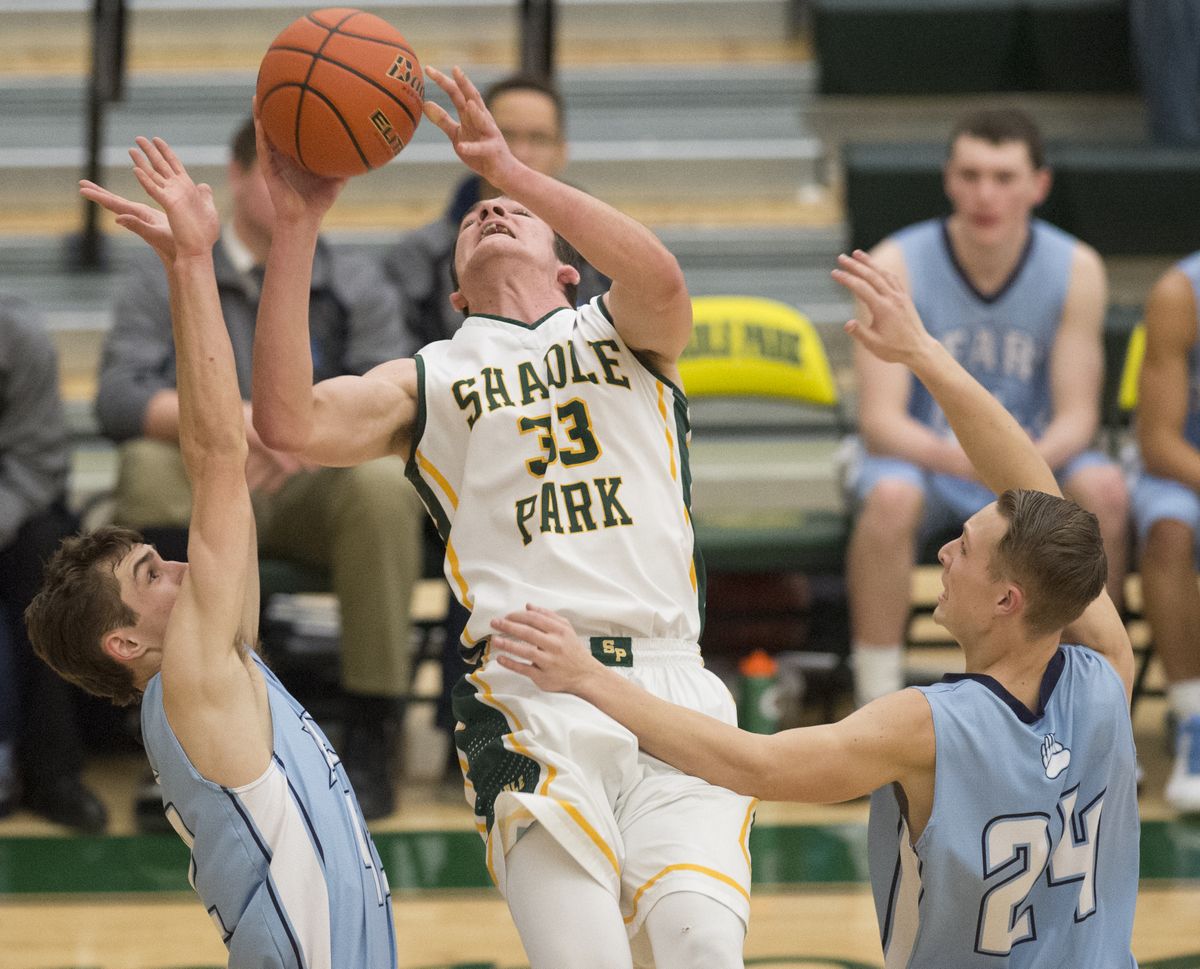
point(889, 47)
point(1124, 199)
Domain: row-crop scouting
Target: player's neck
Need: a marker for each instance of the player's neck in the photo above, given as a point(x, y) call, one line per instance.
point(515, 299)
point(988, 265)
point(1015, 661)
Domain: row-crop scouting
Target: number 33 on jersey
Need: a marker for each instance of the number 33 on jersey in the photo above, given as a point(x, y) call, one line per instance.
point(555, 465)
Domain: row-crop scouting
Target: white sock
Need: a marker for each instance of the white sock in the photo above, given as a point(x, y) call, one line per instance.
point(878, 670)
point(1184, 698)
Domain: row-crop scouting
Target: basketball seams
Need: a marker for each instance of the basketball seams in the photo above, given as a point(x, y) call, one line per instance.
point(327, 76)
point(326, 58)
point(341, 120)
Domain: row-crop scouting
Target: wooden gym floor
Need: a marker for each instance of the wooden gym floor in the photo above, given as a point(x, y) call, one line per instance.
point(122, 901)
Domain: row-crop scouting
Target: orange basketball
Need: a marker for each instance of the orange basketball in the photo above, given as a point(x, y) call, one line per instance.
point(340, 91)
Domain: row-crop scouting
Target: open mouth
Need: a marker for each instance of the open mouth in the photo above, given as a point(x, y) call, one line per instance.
point(496, 228)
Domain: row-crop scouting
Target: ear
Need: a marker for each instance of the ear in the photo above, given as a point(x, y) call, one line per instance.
point(458, 301)
point(1043, 180)
point(567, 275)
point(1012, 602)
point(119, 645)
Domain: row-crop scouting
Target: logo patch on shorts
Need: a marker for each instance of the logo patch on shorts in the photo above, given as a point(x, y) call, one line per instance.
point(612, 650)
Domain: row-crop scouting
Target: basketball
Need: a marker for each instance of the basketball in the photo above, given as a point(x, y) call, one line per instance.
point(340, 92)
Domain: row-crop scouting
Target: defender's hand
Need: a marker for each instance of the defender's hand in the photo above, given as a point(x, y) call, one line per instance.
point(895, 333)
point(190, 225)
point(475, 136)
point(542, 645)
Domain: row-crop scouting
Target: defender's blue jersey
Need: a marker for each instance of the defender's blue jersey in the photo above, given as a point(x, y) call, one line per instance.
point(284, 865)
point(1030, 856)
point(1190, 267)
point(1004, 340)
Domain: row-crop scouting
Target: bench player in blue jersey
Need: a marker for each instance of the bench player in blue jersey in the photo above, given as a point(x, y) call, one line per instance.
point(280, 855)
point(1019, 304)
point(1166, 493)
point(987, 847)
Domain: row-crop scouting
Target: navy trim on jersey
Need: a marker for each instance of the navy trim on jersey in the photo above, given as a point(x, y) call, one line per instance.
point(312, 831)
point(249, 824)
point(525, 326)
point(286, 923)
point(962, 273)
point(1054, 670)
point(889, 917)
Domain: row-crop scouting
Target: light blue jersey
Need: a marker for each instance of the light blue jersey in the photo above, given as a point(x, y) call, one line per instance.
point(1030, 856)
point(284, 865)
point(1003, 340)
point(1190, 267)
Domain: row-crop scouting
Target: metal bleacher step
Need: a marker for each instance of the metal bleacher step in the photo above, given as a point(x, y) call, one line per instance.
point(199, 35)
point(650, 136)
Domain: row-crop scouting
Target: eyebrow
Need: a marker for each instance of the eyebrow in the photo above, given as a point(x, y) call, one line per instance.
point(146, 556)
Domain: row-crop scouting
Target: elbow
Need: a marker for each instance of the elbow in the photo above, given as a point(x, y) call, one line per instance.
point(288, 436)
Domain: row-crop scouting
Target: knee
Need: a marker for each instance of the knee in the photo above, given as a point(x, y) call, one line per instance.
point(890, 513)
point(378, 490)
point(1102, 491)
point(688, 929)
point(1169, 549)
point(152, 485)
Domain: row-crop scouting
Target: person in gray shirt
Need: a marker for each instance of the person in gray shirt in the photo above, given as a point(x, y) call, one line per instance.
point(361, 524)
point(41, 749)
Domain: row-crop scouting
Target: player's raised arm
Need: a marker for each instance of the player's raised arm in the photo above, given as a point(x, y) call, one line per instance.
point(1002, 453)
point(649, 301)
point(217, 608)
point(888, 740)
point(341, 421)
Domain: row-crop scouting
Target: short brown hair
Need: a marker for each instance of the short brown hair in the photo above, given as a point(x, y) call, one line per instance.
point(999, 126)
point(244, 146)
point(530, 82)
point(1053, 549)
point(79, 602)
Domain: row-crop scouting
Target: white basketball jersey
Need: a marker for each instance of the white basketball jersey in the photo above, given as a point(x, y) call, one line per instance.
point(556, 467)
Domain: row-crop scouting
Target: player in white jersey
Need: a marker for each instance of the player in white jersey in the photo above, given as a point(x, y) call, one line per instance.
point(280, 855)
point(986, 843)
point(549, 444)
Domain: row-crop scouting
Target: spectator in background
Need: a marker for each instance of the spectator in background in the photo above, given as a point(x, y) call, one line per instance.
point(362, 524)
point(41, 750)
point(1020, 304)
point(1166, 49)
point(532, 118)
point(1167, 508)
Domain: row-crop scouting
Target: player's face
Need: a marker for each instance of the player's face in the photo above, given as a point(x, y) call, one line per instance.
point(500, 228)
point(149, 586)
point(529, 122)
point(969, 589)
point(993, 188)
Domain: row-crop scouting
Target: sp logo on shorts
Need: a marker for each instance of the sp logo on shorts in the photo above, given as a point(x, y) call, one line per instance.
point(613, 650)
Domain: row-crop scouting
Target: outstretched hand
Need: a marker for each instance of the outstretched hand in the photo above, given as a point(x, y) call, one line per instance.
point(542, 645)
point(188, 224)
point(475, 135)
point(295, 192)
point(896, 333)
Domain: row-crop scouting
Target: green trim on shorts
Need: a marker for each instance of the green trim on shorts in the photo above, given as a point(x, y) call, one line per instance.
point(491, 767)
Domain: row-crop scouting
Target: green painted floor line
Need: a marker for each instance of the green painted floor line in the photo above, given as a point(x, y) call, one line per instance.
point(784, 855)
